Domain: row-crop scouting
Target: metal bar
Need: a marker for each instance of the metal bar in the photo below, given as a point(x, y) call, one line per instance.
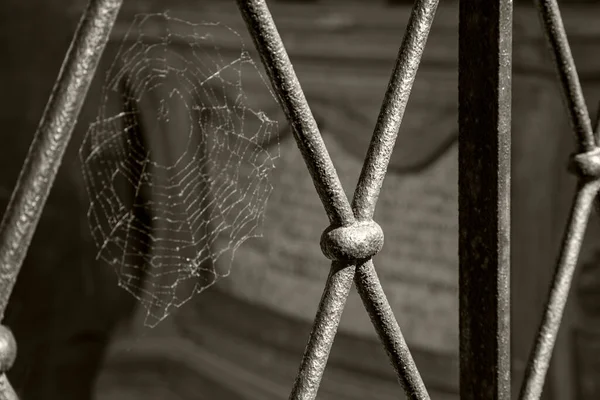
point(393, 107)
point(51, 138)
point(539, 360)
point(285, 83)
point(485, 60)
point(587, 166)
point(322, 335)
point(308, 138)
point(567, 73)
point(266, 38)
point(387, 328)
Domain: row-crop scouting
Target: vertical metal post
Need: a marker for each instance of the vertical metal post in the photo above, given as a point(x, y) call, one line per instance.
point(485, 59)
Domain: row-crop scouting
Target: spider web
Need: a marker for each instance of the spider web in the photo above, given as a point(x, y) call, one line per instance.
point(178, 161)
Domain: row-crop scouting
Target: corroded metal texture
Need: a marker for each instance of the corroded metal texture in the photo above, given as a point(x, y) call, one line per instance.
point(586, 165)
point(44, 158)
point(304, 127)
point(485, 67)
point(51, 139)
point(342, 216)
point(393, 107)
point(386, 326)
point(567, 73)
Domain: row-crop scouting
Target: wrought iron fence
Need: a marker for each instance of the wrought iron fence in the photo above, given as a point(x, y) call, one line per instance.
point(353, 238)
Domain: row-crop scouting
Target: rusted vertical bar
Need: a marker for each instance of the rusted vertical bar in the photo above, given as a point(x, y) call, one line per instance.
point(51, 139)
point(485, 59)
point(44, 158)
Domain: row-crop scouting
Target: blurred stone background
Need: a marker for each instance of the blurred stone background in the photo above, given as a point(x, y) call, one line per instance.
point(244, 338)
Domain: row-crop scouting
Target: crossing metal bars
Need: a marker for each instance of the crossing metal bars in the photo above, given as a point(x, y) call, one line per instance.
point(353, 238)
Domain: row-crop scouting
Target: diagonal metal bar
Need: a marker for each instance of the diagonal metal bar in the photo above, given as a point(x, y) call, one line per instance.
point(51, 139)
point(392, 110)
point(291, 97)
point(485, 67)
point(539, 360)
point(567, 73)
point(587, 165)
point(285, 83)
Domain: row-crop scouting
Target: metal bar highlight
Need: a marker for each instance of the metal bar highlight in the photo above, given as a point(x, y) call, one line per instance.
point(387, 328)
point(285, 83)
point(485, 61)
point(51, 139)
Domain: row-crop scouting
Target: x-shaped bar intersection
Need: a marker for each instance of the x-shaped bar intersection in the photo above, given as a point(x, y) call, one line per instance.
point(352, 238)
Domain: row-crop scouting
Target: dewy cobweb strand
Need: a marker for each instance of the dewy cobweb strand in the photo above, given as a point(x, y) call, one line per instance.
point(178, 161)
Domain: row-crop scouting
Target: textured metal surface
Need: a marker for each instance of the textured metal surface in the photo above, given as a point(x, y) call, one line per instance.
point(485, 61)
point(567, 73)
point(45, 155)
point(541, 355)
point(51, 139)
point(586, 165)
point(353, 243)
point(392, 110)
point(285, 83)
point(304, 127)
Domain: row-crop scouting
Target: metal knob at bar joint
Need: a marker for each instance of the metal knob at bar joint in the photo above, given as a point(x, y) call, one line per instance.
point(352, 243)
point(586, 165)
point(8, 349)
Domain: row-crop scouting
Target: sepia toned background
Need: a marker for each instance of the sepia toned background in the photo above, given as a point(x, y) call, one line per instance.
point(81, 336)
